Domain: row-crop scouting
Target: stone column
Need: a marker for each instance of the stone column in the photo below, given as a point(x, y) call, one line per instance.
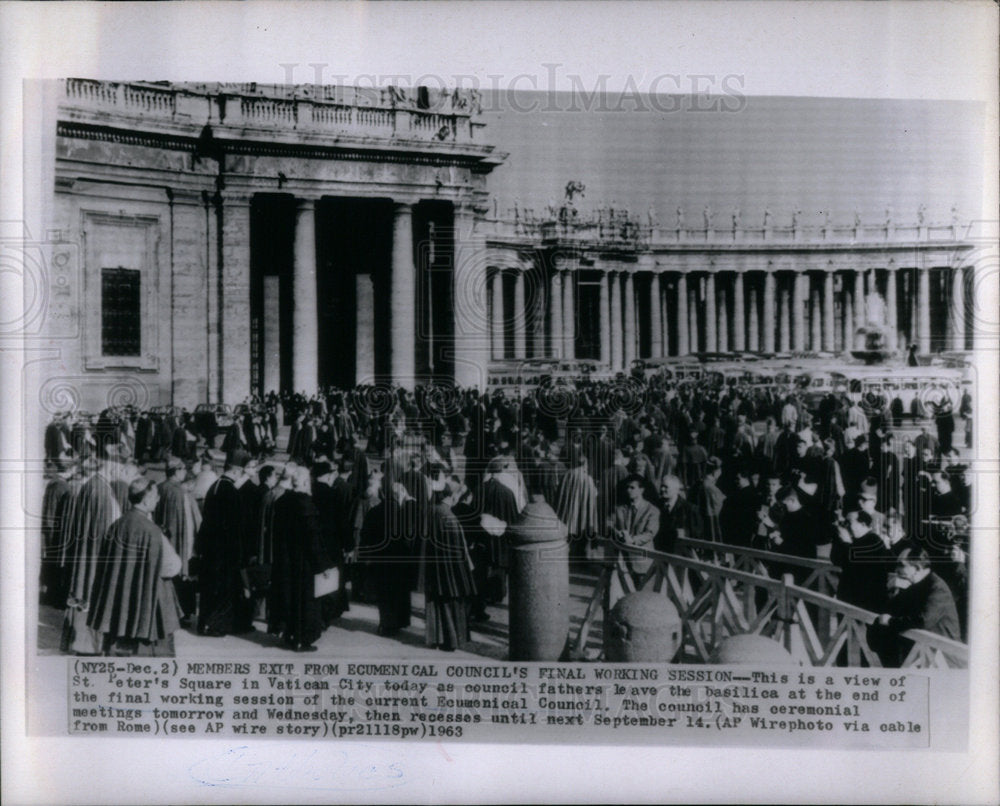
point(404, 299)
point(520, 317)
point(859, 309)
point(471, 322)
point(848, 341)
point(569, 318)
point(753, 336)
point(770, 323)
point(189, 372)
point(629, 320)
point(816, 317)
point(711, 337)
point(665, 320)
point(234, 317)
point(213, 300)
point(656, 326)
point(958, 308)
point(891, 318)
point(605, 321)
point(682, 315)
point(924, 309)
point(739, 322)
point(555, 315)
point(305, 318)
point(723, 329)
point(828, 315)
point(499, 351)
point(617, 340)
point(799, 300)
point(693, 318)
point(785, 343)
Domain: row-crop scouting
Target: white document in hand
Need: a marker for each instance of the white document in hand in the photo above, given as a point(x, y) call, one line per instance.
point(493, 526)
point(326, 582)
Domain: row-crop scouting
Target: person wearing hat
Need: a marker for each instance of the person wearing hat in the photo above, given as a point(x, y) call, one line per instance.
point(225, 602)
point(177, 514)
point(133, 605)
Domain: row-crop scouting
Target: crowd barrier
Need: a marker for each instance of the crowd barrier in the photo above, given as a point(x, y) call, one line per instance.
point(730, 596)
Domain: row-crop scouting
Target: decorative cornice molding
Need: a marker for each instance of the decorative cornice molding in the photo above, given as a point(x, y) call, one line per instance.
point(479, 163)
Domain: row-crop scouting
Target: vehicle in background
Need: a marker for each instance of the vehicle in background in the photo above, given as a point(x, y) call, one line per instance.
point(210, 419)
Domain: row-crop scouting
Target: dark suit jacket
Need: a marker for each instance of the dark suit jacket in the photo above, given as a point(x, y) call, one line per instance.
point(681, 516)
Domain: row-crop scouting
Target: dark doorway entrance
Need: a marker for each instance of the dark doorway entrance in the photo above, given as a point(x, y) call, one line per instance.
point(434, 256)
point(353, 256)
point(272, 233)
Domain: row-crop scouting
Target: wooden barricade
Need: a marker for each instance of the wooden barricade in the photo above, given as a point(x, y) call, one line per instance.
point(716, 600)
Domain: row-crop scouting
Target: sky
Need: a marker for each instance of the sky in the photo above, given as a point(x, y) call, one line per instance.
point(814, 154)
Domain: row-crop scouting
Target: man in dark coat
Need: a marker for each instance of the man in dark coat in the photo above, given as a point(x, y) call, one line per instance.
point(183, 443)
point(855, 467)
point(738, 518)
point(887, 474)
point(133, 603)
point(55, 507)
point(499, 504)
point(677, 516)
point(944, 418)
point(388, 539)
point(324, 496)
point(800, 531)
point(299, 556)
point(221, 545)
point(446, 571)
point(864, 563)
point(925, 604)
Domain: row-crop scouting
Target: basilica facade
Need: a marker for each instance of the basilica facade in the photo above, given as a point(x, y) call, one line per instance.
point(213, 241)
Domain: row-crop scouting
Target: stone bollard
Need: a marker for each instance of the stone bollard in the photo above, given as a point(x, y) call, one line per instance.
point(752, 650)
point(643, 626)
point(539, 583)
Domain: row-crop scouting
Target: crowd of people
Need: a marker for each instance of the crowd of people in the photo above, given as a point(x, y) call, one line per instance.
point(386, 491)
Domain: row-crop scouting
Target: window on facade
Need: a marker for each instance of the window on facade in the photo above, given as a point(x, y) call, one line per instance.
point(120, 317)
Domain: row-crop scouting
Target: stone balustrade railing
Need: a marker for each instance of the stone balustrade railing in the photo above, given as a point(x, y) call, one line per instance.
point(631, 233)
point(251, 107)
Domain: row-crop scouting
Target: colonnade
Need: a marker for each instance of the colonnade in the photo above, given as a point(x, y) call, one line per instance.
point(403, 303)
point(724, 311)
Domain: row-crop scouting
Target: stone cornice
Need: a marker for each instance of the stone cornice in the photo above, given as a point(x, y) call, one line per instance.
point(480, 160)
